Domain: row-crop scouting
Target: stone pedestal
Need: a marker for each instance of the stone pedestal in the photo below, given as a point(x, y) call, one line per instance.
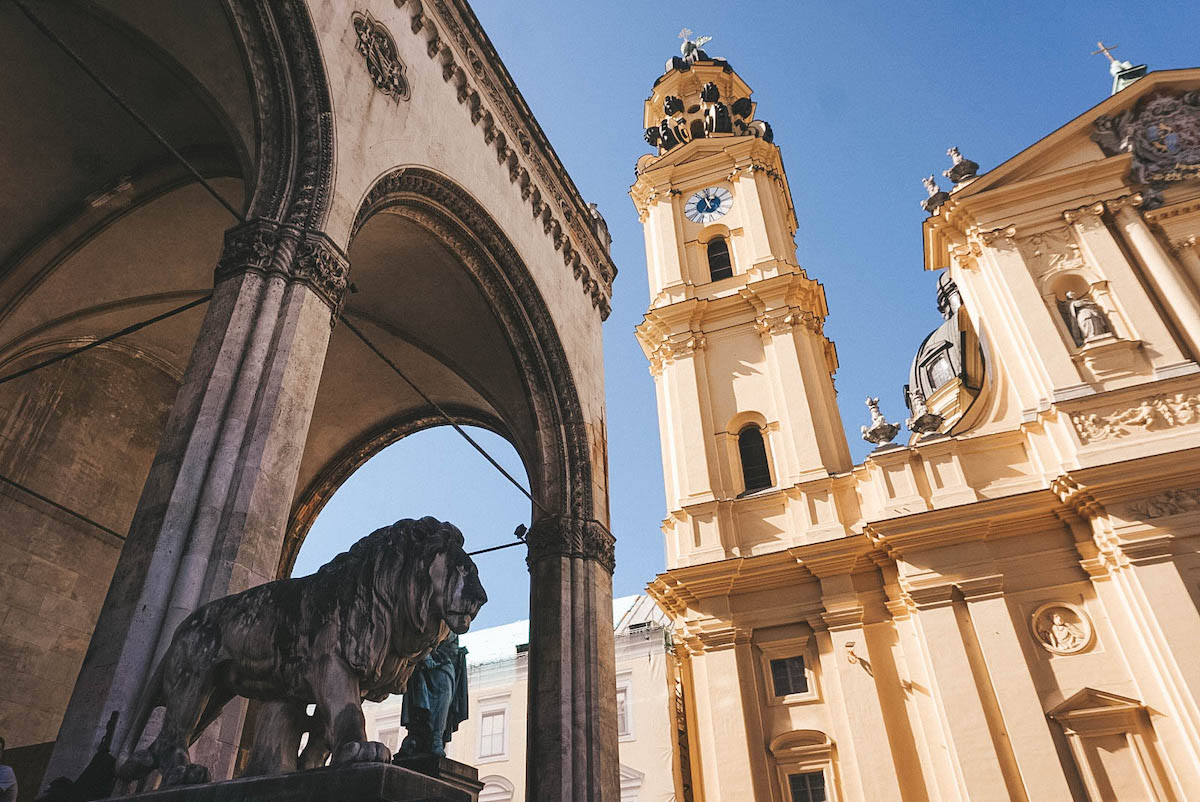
point(369, 782)
point(451, 772)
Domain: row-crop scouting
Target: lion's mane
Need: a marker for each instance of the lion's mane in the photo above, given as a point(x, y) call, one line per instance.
point(365, 582)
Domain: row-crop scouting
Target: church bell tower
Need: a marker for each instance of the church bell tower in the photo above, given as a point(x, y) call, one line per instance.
point(735, 328)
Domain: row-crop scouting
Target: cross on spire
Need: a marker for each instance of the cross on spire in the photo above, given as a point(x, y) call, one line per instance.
point(1105, 49)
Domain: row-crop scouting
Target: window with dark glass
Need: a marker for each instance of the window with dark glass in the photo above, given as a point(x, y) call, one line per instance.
point(754, 459)
point(788, 677)
point(719, 264)
point(808, 786)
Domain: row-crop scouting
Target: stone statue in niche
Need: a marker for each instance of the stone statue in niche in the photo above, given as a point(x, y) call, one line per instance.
point(355, 630)
point(1084, 318)
point(1062, 629)
point(880, 431)
point(435, 701)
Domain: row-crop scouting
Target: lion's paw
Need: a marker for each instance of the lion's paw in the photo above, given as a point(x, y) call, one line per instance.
point(362, 752)
point(187, 774)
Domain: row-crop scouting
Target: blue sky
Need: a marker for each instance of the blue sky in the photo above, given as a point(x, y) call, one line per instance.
point(864, 99)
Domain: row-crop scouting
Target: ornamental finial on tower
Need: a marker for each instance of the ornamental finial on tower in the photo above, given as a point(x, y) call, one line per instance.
point(1123, 72)
point(691, 47)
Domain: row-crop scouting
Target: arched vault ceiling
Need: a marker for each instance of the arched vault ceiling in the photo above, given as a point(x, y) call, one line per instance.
point(421, 307)
point(67, 142)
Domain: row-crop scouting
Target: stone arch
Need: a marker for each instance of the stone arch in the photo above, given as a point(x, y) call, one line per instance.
point(561, 471)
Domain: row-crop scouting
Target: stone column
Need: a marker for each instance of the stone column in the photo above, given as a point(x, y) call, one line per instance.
point(982, 755)
point(1020, 705)
point(1173, 291)
point(214, 509)
point(1189, 254)
point(721, 668)
point(571, 751)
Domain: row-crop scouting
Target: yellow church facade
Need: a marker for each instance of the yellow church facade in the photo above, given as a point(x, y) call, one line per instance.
point(1005, 605)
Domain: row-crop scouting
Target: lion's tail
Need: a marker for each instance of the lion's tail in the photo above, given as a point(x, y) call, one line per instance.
point(141, 762)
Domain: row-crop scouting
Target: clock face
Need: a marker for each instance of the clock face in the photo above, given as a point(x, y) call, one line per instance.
point(708, 205)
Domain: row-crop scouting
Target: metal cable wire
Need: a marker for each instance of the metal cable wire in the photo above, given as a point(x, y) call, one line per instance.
point(120, 101)
point(395, 368)
point(127, 330)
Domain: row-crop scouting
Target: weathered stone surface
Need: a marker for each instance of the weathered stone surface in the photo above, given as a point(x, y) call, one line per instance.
point(353, 630)
point(365, 783)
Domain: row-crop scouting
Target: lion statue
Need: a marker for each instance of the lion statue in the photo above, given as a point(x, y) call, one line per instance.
point(354, 630)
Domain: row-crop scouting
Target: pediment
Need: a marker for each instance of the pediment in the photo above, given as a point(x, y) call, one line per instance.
point(1071, 146)
point(1090, 700)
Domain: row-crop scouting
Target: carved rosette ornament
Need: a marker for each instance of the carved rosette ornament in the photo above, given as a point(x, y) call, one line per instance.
point(379, 49)
point(1062, 628)
point(1163, 133)
point(275, 249)
point(566, 536)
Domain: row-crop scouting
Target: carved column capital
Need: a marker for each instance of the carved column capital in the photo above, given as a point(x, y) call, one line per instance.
point(276, 249)
point(320, 264)
point(998, 235)
point(1091, 210)
point(1125, 203)
point(566, 536)
point(1185, 243)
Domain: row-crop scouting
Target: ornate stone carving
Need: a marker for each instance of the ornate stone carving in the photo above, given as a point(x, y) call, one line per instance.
point(379, 49)
point(880, 431)
point(1150, 414)
point(1062, 628)
point(1084, 317)
point(350, 632)
point(564, 536)
point(1170, 502)
point(691, 47)
point(1163, 133)
point(778, 321)
point(466, 229)
point(922, 421)
point(1008, 233)
point(321, 265)
point(937, 196)
point(311, 257)
point(1051, 251)
point(574, 237)
point(962, 169)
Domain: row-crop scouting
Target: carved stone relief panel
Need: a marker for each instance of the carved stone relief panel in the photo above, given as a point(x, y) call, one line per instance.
point(1151, 414)
point(1062, 628)
point(1050, 252)
point(1169, 502)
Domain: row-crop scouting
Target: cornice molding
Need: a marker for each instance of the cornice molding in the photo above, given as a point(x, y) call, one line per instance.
point(453, 38)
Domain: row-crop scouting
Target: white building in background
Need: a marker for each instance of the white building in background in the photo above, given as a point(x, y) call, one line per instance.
point(493, 738)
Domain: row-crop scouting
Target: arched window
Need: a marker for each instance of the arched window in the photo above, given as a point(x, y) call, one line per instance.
point(753, 451)
point(719, 265)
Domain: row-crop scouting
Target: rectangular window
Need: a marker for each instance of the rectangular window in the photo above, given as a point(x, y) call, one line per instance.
point(491, 734)
point(808, 786)
point(624, 726)
point(788, 677)
point(390, 738)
